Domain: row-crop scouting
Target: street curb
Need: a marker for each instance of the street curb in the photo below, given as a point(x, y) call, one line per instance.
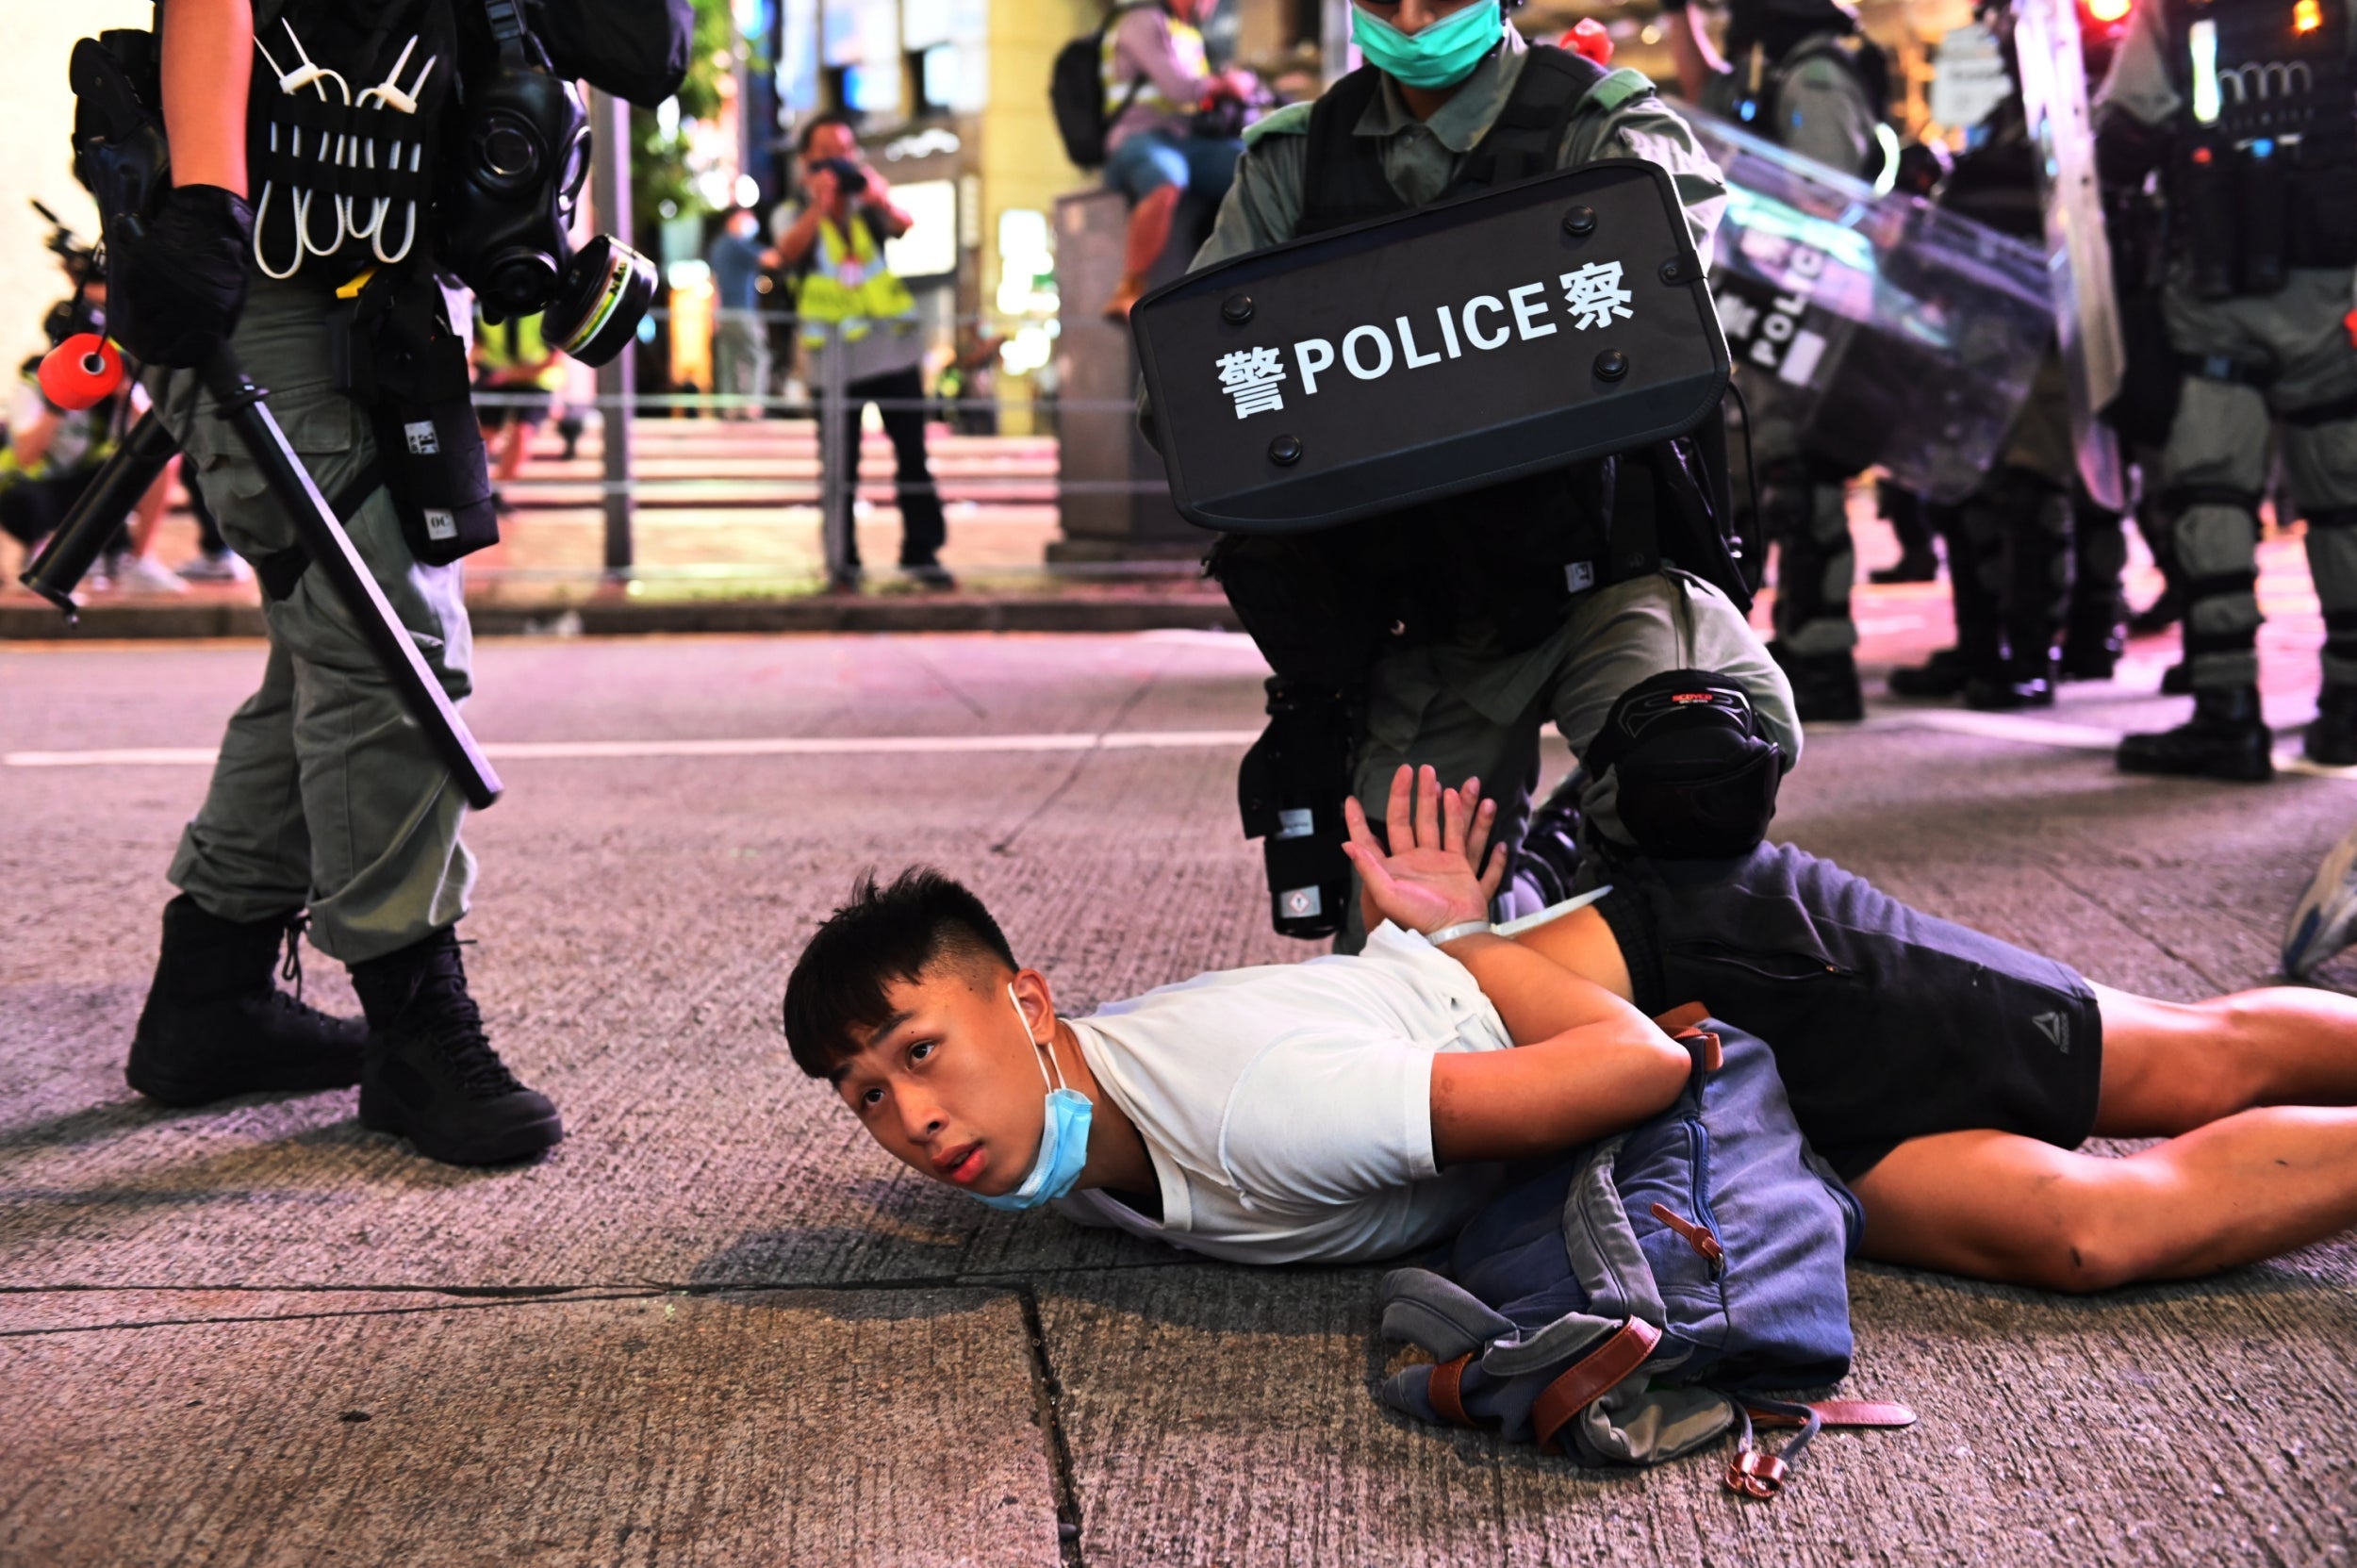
point(619, 618)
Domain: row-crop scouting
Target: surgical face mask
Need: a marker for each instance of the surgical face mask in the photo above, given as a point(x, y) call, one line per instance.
point(1063, 1136)
point(1443, 55)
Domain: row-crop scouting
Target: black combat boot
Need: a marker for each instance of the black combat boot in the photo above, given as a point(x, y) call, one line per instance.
point(1824, 685)
point(2091, 649)
point(2022, 683)
point(2226, 739)
point(1913, 566)
point(2177, 680)
point(217, 1025)
point(432, 1076)
point(1943, 674)
point(2333, 734)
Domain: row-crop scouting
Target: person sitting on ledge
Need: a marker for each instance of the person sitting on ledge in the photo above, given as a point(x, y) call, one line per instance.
point(1352, 1108)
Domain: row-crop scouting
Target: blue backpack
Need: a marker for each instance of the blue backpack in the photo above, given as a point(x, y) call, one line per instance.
point(1624, 1305)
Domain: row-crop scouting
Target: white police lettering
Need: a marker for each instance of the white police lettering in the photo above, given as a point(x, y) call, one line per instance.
point(1528, 312)
point(1251, 376)
point(1487, 321)
point(1350, 352)
point(1312, 355)
point(1473, 335)
point(1408, 343)
point(1594, 294)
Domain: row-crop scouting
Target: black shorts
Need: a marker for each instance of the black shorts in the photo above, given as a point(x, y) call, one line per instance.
point(1887, 1024)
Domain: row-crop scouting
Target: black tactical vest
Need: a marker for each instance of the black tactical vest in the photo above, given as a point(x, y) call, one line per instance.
point(2266, 137)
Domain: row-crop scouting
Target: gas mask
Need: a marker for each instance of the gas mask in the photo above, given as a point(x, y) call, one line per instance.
point(518, 164)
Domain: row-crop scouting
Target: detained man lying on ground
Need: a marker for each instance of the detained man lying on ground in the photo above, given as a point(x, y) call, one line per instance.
point(1348, 1109)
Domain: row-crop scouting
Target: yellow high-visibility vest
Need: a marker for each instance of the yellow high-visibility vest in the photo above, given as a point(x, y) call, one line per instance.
point(515, 343)
point(849, 283)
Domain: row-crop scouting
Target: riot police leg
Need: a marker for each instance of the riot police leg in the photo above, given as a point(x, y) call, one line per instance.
point(1909, 516)
point(326, 791)
point(2211, 477)
point(1980, 645)
point(2320, 458)
point(2028, 518)
point(2097, 627)
point(1804, 509)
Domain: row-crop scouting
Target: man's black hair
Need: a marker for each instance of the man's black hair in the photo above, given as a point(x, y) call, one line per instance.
point(824, 117)
point(883, 936)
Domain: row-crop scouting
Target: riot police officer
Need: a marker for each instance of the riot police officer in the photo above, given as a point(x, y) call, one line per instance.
point(1450, 634)
point(327, 807)
point(1800, 73)
point(2246, 111)
point(2031, 559)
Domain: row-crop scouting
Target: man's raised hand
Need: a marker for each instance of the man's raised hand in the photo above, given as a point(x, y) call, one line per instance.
point(1433, 875)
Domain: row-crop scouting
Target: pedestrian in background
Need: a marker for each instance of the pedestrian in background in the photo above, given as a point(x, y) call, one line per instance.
point(522, 374)
point(740, 344)
point(860, 332)
point(1157, 77)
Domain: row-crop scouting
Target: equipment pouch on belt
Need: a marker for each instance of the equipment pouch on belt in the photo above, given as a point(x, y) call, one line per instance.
point(409, 367)
point(1415, 357)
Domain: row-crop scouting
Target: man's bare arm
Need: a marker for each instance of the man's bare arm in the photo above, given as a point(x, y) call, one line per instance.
point(208, 45)
point(1589, 1063)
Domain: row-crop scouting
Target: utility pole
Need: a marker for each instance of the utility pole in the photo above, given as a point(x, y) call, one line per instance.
point(609, 119)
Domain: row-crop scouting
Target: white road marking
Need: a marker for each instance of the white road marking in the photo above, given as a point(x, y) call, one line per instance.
point(784, 746)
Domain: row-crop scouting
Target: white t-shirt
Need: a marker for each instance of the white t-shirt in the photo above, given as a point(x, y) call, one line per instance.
point(1288, 1109)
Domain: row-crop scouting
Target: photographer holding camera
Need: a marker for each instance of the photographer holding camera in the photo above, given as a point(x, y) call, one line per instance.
point(855, 311)
point(328, 809)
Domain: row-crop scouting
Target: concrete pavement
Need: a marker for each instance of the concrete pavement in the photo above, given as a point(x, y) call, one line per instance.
point(719, 1326)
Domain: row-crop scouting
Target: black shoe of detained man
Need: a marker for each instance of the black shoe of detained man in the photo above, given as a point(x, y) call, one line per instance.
point(1824, 685)
point(431, 1074)
point(2225, 739)
point(216, 1024)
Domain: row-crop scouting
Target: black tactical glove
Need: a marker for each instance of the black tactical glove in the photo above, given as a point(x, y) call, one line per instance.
point(176, 283)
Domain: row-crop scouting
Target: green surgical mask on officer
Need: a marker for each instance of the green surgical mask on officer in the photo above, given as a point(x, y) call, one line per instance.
point(1439, 55)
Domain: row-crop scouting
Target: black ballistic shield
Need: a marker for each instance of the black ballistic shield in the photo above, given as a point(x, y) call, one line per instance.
point(1421, 356)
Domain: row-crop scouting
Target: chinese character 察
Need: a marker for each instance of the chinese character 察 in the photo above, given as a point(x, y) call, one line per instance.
point(1595, 295)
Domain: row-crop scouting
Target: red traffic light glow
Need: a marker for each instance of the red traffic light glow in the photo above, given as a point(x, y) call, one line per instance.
point(2108, 11)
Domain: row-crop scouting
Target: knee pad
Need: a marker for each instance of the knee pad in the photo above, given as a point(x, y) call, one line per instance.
point(1697, 774)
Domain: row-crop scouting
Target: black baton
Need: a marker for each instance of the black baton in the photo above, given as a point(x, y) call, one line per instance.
point(332, 551)
point(143, 455)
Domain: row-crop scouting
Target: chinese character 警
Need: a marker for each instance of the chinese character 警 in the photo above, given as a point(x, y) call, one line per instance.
point(1252, 377)
point(1595, 295)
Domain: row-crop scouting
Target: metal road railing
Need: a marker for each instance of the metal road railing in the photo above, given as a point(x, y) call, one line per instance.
point(772, 452)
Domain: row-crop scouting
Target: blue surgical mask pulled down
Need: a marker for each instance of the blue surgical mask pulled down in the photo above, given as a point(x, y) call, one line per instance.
point(1441, 55)
point(1064, 1138)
